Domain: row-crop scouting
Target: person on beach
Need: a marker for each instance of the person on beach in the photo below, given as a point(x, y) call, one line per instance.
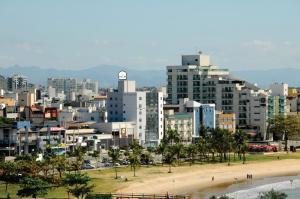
point(213, 178)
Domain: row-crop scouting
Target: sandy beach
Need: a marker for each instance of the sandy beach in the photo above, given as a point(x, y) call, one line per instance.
point(187, 179)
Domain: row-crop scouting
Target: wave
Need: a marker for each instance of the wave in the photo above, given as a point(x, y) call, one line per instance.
point(253, 193)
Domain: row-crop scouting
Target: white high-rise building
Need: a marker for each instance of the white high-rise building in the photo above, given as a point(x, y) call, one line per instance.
point(199, 80)
point(279, 89)
point(143, 108)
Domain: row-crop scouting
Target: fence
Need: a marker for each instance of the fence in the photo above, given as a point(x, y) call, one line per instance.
point(138, 196)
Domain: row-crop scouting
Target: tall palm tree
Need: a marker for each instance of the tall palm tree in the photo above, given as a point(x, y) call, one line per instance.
point(134, 156)
point(178, 150)
point(240, 140)
point(191, 152)
point(170, 157)
point(114, 154)
point(161, 150)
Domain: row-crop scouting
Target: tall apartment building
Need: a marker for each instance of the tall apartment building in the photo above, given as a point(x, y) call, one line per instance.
point(197, 79)
point(17, 82)
point(145, 109)
point(3, 83)
point(71, 86)
point(277, 101)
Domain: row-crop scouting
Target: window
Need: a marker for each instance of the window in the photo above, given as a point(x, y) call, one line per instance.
point(140, 98)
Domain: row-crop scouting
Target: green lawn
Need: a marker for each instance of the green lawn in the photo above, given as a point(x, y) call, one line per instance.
point(104, 179)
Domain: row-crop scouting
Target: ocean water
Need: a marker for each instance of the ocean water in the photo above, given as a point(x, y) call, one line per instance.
point(290, 187)
point(251, 189)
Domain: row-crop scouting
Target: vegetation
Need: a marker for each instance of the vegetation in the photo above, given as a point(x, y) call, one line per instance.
point(33, 187)
point(26, 176)
point(284, 127)
point(134, 156)
point(77, 184)
point(273, 195)
point(115, 155)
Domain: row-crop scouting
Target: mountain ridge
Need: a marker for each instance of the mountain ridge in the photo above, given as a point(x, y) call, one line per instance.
point(106, 75)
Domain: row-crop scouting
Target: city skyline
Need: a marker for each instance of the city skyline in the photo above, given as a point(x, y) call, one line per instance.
point(149, 35)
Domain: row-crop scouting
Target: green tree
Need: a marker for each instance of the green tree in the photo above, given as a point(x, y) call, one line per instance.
point(61, 165)
point(221, 197)
point(240, 141)
point(115, 155)
point(273, 195)
point(191, 151)
point(170, 157)
point(134, 156)
point(179, 151)
point(161, 149)
point(77, 184)
point(33, 187)
point(8, 173)
point(284, 126)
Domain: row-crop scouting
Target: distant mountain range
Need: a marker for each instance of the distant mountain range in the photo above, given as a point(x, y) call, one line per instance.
point(107, 75)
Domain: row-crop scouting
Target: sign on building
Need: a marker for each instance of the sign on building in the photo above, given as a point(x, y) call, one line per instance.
point(122, 75)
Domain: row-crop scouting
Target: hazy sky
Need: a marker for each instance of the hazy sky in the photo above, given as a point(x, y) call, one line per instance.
point(149, 34)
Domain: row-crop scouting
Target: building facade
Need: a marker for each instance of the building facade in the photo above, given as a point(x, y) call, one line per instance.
point(17, 82)
point(199, 80)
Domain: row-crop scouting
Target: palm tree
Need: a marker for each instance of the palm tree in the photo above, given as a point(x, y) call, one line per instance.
point(170, 157)
point(161, 150)
point(191, 152)
point(203, 148)
point(114, 154)
point(134, 156)
point(178, 150)
point(240, 140)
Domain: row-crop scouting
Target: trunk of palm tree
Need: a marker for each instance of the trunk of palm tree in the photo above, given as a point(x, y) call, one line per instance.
point(170, 169)
point(228, 158)
point(6, 186)
point(244, 157)
point(286, 142)
point(134, 171)
point(116, 173)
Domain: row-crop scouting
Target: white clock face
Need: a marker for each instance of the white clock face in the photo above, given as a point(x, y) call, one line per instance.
point(122, 75)
point(2, 106)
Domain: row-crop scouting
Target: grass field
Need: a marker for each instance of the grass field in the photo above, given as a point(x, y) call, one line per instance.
point(104, 179)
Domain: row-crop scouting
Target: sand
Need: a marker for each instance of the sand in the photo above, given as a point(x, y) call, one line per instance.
point(187, 179)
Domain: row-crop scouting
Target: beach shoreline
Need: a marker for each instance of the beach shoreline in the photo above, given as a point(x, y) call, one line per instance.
point(187, 180)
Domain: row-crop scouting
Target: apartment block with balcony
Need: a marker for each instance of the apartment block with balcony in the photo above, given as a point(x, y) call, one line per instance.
point(207, 84)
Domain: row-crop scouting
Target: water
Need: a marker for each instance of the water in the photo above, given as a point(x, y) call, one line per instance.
point(251, 189)
point(290, 188)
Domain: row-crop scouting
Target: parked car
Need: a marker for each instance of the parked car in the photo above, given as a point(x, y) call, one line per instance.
point(88, 166)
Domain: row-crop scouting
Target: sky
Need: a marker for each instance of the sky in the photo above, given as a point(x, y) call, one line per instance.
point(149, 34)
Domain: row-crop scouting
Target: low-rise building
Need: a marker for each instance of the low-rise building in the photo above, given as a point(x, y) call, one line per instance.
point(226, 121)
